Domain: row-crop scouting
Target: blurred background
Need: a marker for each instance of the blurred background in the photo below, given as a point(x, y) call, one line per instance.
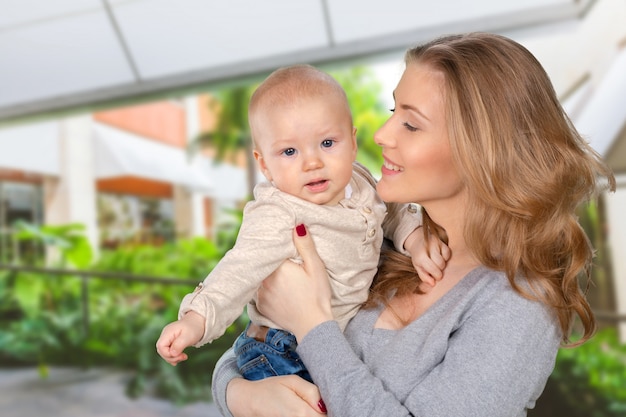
point(125, 163)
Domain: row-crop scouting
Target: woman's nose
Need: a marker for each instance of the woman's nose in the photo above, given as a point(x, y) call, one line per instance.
point(381, 135)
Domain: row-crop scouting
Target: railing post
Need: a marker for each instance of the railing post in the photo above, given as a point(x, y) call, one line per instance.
point(85, 303)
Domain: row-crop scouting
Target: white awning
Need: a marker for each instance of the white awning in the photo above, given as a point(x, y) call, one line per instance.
point(60, 55)
point(230, 182)
point(577, 100)
point(602, 118)
point(119, 153)
point(32, 148)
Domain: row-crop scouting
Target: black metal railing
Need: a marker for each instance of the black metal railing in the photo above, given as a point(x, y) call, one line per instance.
point(85, 276)
point(607, 316)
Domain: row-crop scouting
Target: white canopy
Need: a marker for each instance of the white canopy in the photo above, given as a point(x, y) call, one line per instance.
point(69, 54)
point(119, 153)
point(603, 115)
point(35, 148)
point(31, 148)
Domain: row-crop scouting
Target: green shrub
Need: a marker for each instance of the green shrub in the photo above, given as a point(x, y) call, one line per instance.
point(43, 319)
point(588, 381)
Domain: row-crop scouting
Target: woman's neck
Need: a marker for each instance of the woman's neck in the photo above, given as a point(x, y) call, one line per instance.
point(461, 256)
point(451, 217)
point(403, 310)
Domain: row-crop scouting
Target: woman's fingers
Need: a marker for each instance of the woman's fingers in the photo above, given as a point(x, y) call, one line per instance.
point(307, 391)
point(306, 248)
point(297, 297)
point(275, 396)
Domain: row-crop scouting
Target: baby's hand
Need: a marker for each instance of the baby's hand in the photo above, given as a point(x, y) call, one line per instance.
point(179, 335)
point(430, 268)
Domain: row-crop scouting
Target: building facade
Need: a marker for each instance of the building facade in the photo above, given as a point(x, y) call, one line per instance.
point(126, 174)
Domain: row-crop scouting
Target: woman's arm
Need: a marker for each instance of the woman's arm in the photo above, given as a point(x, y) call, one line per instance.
point(490, 356)
point(225, 371)
point(277, 396)
point(495, 364)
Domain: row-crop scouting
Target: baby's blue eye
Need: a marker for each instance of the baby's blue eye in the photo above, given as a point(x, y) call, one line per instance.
point(289, 151)
point(327, 143)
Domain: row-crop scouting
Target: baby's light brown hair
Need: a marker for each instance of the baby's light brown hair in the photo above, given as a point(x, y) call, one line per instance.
point(287, 86)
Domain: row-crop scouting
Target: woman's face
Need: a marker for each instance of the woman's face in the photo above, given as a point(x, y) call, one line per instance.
point(418, 166)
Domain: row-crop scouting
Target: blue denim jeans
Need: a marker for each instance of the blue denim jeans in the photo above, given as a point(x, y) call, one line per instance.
point(277, 356)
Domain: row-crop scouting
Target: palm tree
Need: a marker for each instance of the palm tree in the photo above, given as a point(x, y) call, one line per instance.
point(368, 110)
point(232, 134)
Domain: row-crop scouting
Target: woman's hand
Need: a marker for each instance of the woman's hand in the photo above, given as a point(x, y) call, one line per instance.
point(277, 396)
point(297, 297)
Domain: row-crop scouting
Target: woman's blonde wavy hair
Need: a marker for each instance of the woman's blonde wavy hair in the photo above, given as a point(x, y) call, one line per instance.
point(526, 169)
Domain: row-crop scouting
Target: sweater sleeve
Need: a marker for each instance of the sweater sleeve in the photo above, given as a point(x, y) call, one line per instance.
point(225, 371)
point(401, 219)
point(494, 364)
point(263, 243)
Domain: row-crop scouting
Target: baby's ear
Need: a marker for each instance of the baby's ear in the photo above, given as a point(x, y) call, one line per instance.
point(262, 166)
point(354, 142)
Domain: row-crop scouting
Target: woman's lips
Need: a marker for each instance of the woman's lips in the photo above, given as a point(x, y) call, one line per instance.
point(390, 168)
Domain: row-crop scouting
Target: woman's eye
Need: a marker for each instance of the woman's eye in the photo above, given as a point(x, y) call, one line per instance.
point(392, 110)
point(327, 143)
point(289, 152)
point(409, 127)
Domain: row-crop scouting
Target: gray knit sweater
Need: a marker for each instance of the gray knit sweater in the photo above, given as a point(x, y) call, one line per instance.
point(480, 350)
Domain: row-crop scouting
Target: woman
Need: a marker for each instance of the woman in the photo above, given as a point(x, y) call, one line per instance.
point(480, 141)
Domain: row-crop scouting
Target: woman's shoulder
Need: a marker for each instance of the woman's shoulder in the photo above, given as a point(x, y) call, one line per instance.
point(482, 295)
point(485, 283)
point(486, 291)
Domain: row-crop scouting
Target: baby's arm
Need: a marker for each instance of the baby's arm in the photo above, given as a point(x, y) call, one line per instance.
point(429, 260)
point(403, 225)
point(264, 242)
point(179, 335)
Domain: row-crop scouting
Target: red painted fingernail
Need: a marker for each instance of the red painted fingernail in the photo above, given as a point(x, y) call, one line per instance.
point(322, 406)
point(301, 230)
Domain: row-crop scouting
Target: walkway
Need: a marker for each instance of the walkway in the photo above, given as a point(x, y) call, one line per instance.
point(69, 392)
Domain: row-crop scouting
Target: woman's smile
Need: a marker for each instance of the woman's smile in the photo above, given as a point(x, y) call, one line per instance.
point(389, 168)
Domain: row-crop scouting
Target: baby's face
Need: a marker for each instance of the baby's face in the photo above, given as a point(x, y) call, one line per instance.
point(307, 149)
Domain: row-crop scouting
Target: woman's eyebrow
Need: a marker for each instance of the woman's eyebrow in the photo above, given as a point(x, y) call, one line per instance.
point(411, 108)
point(414, 110)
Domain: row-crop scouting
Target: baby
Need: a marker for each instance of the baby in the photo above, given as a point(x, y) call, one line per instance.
point(305, 145)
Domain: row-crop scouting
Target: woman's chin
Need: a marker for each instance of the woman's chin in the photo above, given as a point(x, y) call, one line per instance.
point(388, 195)
point(384, 191)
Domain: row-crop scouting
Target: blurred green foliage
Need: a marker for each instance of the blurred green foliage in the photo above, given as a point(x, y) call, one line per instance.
point(42, 316)
point(69, 240)
point(369, 113)
point(588, 381)
point(41, 323)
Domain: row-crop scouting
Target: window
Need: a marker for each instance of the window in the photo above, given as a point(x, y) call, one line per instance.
point(133, 219)
point(19, 202)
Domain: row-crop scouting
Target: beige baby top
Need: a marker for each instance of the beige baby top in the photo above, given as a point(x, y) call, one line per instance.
point(348, 238)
